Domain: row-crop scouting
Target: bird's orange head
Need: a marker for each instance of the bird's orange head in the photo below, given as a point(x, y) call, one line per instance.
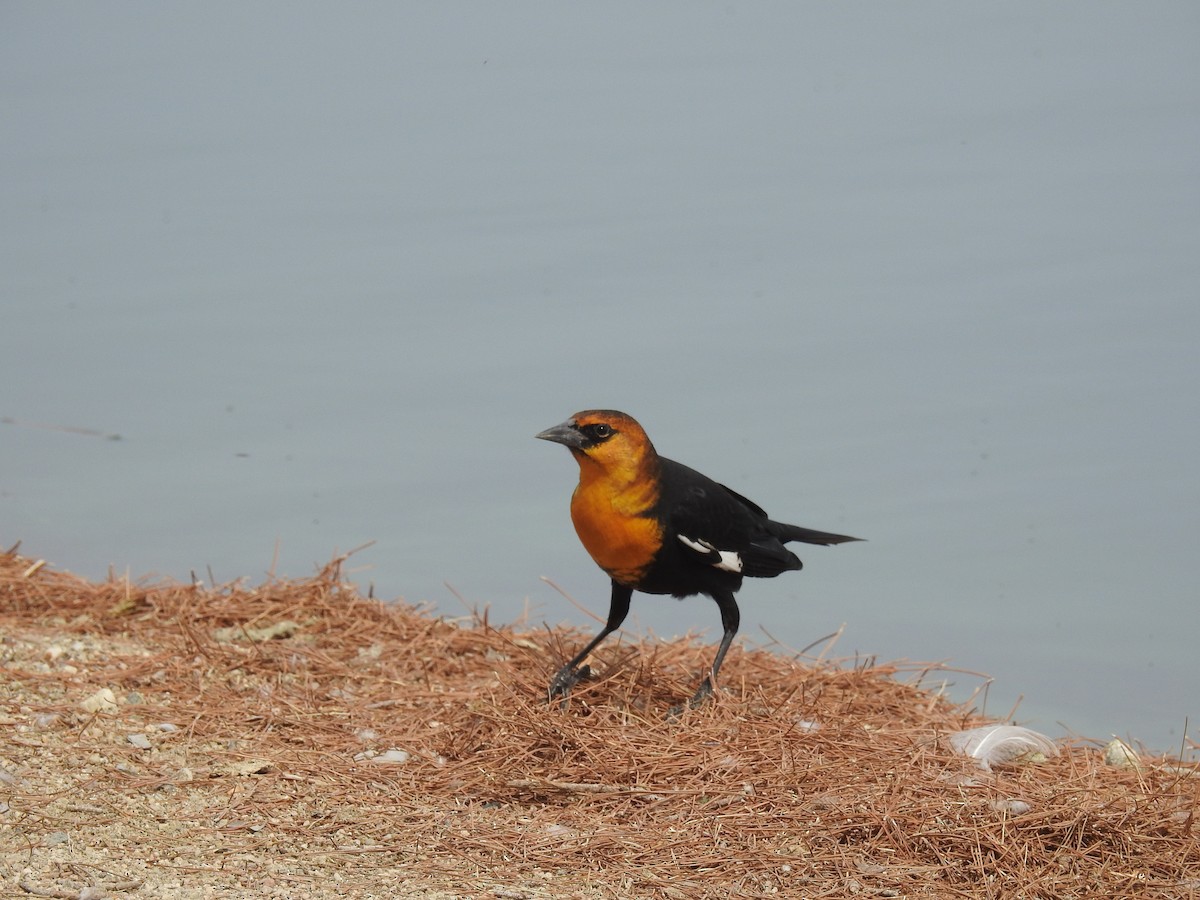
point(618, 487)
point(606, 444)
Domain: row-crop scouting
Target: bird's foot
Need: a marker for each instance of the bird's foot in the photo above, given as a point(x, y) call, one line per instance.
point(698, 699)
point(702, 693)
point(566, 679)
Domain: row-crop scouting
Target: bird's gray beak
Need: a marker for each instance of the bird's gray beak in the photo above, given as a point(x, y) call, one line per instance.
point(567, 434)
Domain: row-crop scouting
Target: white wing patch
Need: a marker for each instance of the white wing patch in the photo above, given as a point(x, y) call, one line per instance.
point(728, 560)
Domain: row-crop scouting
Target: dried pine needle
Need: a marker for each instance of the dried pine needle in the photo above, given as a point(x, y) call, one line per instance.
point(333, 744)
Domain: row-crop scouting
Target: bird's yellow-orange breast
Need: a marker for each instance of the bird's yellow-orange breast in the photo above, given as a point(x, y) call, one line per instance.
point(615, 526)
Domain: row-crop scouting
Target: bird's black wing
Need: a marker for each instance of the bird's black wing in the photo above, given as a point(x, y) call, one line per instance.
point(720, 527)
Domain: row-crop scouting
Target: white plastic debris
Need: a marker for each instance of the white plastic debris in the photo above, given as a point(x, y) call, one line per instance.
point(394, 756)
point(994, 745)
point(1011, 807)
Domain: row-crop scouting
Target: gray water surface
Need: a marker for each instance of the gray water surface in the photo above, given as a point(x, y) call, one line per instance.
point(924, 273)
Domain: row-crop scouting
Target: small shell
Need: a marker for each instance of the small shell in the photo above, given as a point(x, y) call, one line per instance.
point(103, 701)
point(1119, 754)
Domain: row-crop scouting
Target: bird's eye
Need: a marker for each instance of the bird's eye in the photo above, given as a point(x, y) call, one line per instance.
point(600, 431)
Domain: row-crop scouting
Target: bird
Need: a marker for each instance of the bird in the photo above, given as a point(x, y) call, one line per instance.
point(658, 527)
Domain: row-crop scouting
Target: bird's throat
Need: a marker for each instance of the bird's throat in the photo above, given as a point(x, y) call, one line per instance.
point(611, 512)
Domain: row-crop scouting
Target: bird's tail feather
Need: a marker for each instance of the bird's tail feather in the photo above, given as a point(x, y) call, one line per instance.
point(787, 532)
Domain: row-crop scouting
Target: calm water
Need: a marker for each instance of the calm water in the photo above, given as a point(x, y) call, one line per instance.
point(926, 274)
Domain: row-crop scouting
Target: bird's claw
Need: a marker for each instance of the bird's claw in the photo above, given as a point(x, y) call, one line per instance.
point(566, 679)
point(702, 693)
point(698, 699)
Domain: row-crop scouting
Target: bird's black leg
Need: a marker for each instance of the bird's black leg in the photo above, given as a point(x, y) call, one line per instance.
point(618, 609)
point(730, 619)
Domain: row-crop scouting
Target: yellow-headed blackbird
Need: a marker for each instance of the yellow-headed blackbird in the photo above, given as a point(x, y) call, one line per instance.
point(659, 527)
